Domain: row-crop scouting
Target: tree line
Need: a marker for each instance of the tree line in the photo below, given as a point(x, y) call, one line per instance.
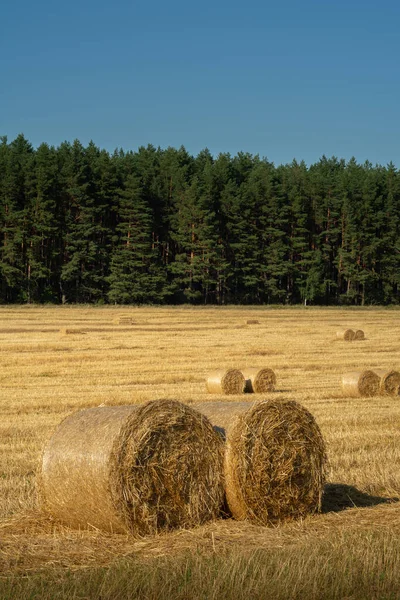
point(78, 224)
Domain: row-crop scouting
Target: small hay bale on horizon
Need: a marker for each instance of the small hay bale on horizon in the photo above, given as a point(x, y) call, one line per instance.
point(252, 322)
point(389, 381)
point(124, 320)
point(71, 331)
point(360, 383)
point(230, 381)
point(133, 469)
point(275, 459)
point(347, 334)
point(259, 381)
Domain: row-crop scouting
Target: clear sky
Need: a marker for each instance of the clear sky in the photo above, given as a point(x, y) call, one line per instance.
point(290, 79)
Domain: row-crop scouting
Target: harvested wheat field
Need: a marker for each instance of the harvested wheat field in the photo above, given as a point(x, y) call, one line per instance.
point(167, 353)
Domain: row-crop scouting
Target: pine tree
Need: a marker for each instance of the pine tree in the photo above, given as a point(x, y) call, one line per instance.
point(43, 246)
point(17, 183)
point(136, 275)
point(84, 272)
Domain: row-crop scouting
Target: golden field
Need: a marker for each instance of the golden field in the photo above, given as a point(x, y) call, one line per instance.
point(167, 353)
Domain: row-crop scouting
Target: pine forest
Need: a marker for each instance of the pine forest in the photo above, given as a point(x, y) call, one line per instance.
point(159, 226)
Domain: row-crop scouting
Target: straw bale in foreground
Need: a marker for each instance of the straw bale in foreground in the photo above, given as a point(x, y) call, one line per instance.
point(360, 383)
point(275, 459)
point(347, 334)
point(259, 381)
point(138, 469)
point(389, 382)
point(229, 381)
point(359, 334)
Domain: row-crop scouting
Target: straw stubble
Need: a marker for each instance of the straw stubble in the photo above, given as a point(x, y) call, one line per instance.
point(138, 469)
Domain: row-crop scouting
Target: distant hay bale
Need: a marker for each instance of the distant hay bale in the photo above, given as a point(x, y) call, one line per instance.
point(71, 331)
point(347, 334)
point(259, 381)
point(139, 469)
point(229, 381)
point(389, 382)
point(275, 459)
point(360, 383)
point(359, 334)
point(252, 322)
point(123, 320)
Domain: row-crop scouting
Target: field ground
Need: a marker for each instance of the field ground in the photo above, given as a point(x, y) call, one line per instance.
point(352, 550)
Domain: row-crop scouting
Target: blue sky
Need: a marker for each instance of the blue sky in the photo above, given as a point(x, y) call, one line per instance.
point(288, 80)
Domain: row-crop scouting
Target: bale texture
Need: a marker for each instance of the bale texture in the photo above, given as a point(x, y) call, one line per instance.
point(360, 383)
point(138, 469)
point(359, 334)
point(389, 382)
point(229, 381)
point(347, 334)
point(259, 381)
point(275, 459)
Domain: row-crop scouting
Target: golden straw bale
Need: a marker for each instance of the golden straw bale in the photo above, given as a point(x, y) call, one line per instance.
point(360, 383)
point(359, 334)
point(347, 334)
point(138, 469)
point(229, 381)
point(275, 459)
point(389, 382)
point(252, 322)
point(259, 380)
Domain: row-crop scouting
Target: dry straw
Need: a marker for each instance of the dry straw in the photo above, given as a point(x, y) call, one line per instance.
point(360, 383)
point(71, 331)
point(389, 382)
point(259, 380)
point(139, 469)
point(252, 322)
point(275, 459)
point(347, 334)
point(123, 320)
point(359, 334)
point(231, 381)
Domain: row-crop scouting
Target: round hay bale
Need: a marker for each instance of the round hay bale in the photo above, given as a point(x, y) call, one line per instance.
point(275, 459)
point(347, 334)
point(389, 382)
point(259, 381)
point(359, 334)
point(138, 469)
point(252, 322)
point(360, 383)
point(231, 381)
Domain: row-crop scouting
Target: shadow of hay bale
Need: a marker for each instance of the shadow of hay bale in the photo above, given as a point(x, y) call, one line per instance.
point(339, 496)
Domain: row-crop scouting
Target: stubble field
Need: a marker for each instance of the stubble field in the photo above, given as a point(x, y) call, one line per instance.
point(352, 547)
